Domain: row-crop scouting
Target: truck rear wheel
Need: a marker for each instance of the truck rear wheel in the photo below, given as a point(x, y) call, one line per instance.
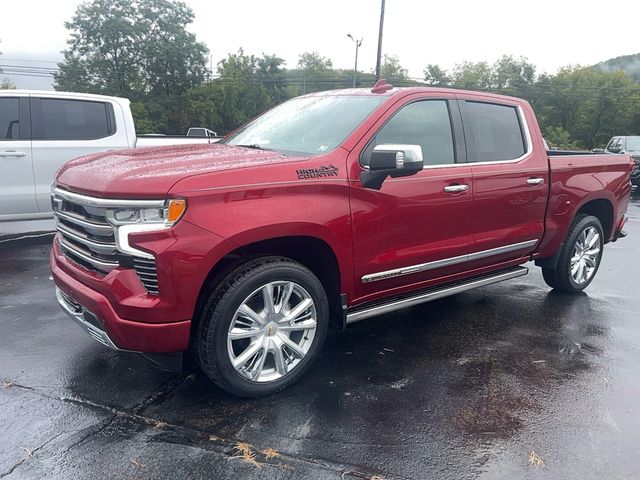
point(263, 326)
point(579, 258)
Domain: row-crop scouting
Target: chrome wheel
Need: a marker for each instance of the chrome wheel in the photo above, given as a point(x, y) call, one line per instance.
point(586, 255)
point(272, 331)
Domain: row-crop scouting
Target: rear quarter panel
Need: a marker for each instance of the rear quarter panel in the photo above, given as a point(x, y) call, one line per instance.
point(577, 180)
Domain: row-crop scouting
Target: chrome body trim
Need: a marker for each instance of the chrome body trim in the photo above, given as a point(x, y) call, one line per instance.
point(424, 297)
point(445, 262)
point(105, 202)
point(77, 313)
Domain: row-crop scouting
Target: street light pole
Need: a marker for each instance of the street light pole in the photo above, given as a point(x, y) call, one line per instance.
point(380, 41)
point(355, 68)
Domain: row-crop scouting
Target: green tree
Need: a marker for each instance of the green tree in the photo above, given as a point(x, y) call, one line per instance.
point(316, 72)
point(139, 49)
point(513, 76)
point(104, 53)
point(391, 69)
point(172, 59)
point(589, 104)
point(473, 76)
point(436, 76)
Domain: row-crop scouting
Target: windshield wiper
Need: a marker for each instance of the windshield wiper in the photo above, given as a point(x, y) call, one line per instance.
point(255, 146)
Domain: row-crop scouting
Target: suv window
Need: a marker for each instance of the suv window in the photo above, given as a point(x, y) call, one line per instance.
point(9, 119)
point(496, 133)
point(426, 123)
point(60, 119)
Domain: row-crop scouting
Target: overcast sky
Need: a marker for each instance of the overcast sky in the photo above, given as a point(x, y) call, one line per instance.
point(550, 33)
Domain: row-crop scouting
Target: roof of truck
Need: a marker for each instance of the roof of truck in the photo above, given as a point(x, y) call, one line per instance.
point(55, 93)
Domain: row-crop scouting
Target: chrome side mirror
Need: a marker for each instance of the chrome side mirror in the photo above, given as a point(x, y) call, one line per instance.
point(393, 160)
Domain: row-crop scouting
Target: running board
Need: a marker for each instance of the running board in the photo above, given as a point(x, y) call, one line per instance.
point(433, 294)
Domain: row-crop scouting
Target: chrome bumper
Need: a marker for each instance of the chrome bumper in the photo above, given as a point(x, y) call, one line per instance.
point(85, 318)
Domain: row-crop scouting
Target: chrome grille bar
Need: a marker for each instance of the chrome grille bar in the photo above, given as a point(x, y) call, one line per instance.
point(101, 265)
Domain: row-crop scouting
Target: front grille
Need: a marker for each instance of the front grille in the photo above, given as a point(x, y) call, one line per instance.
point(146, 269)
point(86, 237)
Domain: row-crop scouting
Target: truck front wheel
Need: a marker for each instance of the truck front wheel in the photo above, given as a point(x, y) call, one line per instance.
point(579, 258)
point(262, 326)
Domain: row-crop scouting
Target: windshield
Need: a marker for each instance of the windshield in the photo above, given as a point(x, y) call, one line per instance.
point(308, 125)
point(633, 144)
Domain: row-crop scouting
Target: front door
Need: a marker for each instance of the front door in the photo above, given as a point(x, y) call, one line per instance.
point(413, 230)
point(17, 187)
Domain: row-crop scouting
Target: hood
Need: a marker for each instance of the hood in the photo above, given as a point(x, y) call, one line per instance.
point(151, 172)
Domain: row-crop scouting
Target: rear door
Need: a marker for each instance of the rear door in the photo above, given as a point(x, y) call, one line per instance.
point(17, 190)
point(64, 129)
point(410, 232)
point(510, 179)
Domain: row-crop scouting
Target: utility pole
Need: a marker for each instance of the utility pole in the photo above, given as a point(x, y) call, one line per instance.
point(355, 68)
point(380, 41)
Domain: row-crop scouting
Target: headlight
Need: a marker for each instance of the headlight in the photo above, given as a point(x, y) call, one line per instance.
point(128, 220)
point(165, 216)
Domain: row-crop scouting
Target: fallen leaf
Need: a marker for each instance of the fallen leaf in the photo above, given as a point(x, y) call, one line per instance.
point(137, 463)
point(535, 460)
point(155, 423)
point(246, 453)
point(7, 384)
point(270, 453)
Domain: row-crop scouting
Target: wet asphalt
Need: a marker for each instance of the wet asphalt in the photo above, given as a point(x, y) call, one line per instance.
point(504, 382)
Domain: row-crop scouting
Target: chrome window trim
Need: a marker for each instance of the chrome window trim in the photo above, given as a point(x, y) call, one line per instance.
point(527, 137)
point(105, 202)
point(445, 262)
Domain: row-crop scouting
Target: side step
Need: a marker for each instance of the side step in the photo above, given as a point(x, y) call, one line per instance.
point(372, 310)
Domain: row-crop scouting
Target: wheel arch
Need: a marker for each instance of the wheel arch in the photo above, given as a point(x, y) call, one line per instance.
point(602, 209)
point(311, 251)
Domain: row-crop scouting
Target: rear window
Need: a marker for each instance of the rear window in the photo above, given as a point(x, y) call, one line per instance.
point(59, 119)
point(9, 119)
point(496, 132)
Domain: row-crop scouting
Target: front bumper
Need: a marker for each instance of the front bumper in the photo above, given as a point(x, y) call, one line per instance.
point(94, 313)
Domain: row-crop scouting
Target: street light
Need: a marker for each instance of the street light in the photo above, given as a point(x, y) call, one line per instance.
point(355, 68)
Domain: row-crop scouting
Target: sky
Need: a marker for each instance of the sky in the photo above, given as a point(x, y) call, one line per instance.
point(550, 33)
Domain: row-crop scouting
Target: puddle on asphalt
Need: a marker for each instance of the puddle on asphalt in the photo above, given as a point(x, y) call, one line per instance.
point(527, 362)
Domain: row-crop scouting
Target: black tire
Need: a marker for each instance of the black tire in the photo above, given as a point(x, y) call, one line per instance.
point(219, 311)
point(560, 278)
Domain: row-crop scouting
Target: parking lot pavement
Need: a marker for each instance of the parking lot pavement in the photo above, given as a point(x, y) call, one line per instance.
point(508, 381)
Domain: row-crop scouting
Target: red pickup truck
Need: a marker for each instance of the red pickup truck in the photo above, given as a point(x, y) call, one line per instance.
point(332, 207)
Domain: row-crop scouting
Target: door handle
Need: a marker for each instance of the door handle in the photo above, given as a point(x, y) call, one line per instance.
point(535, 181)
point(12, 153)
point(456, 188)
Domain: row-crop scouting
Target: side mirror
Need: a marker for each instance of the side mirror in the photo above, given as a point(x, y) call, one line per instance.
point(393, 161)
point(615, 149)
